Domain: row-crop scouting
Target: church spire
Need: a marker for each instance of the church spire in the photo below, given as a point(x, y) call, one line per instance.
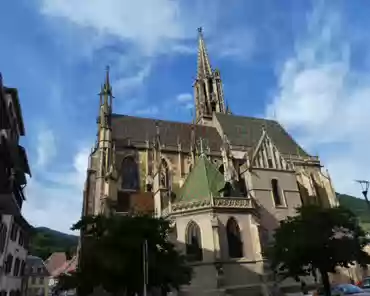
point(106, 101)
point(107, 89)
point(208, 91)
point(204, 66)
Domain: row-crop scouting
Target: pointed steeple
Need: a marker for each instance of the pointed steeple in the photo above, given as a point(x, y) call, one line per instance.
point(106, 101)
point(204, 67)
point(107, 88)
point(208, 93)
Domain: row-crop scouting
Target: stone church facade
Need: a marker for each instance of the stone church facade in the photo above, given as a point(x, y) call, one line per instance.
point(224, 180)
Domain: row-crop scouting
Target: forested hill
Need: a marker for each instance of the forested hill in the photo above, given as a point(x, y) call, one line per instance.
point(357, 206)
point(46, 241)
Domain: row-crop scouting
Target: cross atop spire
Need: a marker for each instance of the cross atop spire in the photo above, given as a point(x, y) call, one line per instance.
point(204, 67)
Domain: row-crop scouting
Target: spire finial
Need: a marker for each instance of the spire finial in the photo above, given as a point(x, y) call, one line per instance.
point(107, 75)
point(107, 89)
point(204, 66)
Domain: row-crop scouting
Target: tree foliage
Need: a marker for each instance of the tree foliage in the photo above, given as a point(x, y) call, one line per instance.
point(318, 239)
point(112, 256)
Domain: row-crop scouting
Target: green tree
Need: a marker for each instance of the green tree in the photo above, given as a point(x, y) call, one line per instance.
point(112, 256)
point(318, 239)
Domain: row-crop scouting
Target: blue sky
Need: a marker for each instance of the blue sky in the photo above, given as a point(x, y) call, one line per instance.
point(305, 63)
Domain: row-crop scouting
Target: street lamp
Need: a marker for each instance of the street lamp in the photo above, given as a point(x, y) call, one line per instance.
point(145, 267)
point(365, 189)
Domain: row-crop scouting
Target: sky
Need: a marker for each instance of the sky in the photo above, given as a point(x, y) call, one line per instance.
point(303, 63)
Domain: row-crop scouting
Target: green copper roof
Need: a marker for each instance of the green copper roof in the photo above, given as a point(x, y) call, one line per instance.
point(203, 181)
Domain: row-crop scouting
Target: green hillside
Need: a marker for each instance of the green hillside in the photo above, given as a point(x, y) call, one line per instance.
point(46, 241)
point(358, 206)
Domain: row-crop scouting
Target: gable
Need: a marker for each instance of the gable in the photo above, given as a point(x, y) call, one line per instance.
point(267, 155)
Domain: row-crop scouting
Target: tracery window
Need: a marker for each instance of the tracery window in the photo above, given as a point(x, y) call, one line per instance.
point(193, 242)
point(130, 174)
point(234, 239)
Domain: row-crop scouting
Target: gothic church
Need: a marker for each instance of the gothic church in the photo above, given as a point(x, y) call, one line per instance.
point(224, 180)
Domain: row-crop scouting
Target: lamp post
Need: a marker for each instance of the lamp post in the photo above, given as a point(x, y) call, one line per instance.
point(145, 267)
point(365, 189)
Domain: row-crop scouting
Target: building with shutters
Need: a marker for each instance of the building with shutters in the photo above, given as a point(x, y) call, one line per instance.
point(36, 281)
point(14, 229)
point(224, 180)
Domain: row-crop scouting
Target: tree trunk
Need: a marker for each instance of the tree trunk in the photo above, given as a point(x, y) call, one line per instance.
point(325, 282)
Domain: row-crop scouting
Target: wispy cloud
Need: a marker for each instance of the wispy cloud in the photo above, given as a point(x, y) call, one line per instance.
point(185, 100)
point(55, 199)
point(325, 98)
point(46, 148)
point(126, 85)
point(150, 28)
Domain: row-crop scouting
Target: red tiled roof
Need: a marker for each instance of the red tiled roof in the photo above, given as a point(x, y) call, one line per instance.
point(67, 267)
point(55, 261)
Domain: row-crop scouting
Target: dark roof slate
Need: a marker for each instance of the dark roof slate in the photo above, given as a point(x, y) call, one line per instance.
point(246, 131)
point(139, 130)
point(35, 266)
point(240, 130)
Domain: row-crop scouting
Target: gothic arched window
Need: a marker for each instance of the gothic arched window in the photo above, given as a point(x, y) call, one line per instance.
point(234, 239)
point(130, 174)
point(165, 174)
point(193, 242)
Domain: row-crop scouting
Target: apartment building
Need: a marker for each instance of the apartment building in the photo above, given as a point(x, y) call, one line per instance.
point(14, 229)
point(36, 277)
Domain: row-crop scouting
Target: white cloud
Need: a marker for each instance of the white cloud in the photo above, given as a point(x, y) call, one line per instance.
point(146, 29)
point(237, 44)
point(155, 26)
point(54, 199)
point(184, 98)
point(325, 99)
point(46, 147)
point(149, 23)
point(185, 101)
point(128, 84)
